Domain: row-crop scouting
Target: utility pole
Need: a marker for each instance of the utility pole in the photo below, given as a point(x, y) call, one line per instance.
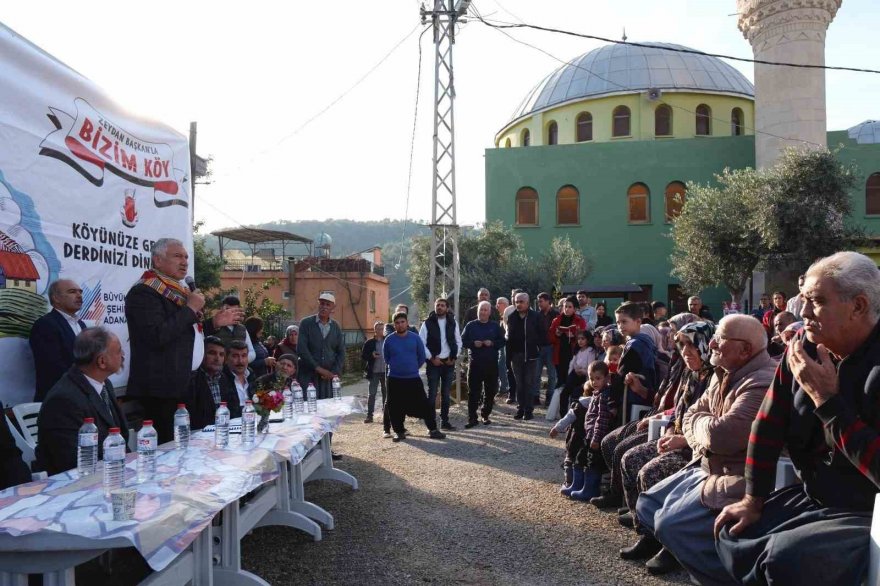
point(444, 278)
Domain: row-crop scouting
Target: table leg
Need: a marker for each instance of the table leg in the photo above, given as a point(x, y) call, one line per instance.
point(327, 471)
point(203, 559)
point(299, 504)
point(12, 579)
point(229, 572)
point(283, 513)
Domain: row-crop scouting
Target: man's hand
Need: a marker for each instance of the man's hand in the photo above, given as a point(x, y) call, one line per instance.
point(436, 361)
point(746, 512)
point(594, 446)
point(270, 362)
point(228, 317)
point(668, 443)
point(478, 344)
point(817, 378)
point(195, 301)
point(324, 373)
point(553, 431)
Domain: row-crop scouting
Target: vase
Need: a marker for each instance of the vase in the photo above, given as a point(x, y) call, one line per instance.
point(263, 423)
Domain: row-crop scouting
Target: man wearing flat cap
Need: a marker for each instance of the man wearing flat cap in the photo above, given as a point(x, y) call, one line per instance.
point(321, 347)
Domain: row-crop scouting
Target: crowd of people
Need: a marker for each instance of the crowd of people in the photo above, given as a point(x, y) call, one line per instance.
point(795, 376)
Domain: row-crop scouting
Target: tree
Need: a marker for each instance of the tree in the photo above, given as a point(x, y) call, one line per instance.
point(207, 265)
point(564, 263)
point(785, 216)
point(254, 302)
point(715, 241)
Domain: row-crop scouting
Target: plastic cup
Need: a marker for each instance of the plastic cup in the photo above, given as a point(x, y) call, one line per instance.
point(123, 500)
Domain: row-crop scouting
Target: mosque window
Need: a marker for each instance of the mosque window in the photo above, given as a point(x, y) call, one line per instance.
point(567, 206)
point(736, 122)
point(621, 126)
point(584, 127)
point(526, 207)
point(663, 120)
point(526, 137)
point(507, 143)
point(675, 197)
point(872, 195)
point(552, 133)
point(704, 120)
point(638, 198)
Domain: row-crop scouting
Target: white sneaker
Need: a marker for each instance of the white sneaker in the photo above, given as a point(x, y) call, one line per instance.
point(386, 435)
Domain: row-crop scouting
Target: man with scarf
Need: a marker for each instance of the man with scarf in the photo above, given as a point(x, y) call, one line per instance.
point(165, 332)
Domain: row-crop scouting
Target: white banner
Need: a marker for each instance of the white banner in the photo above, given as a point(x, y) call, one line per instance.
point(85, 189)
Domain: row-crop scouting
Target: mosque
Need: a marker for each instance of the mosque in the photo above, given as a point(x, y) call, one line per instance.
point(601, 149)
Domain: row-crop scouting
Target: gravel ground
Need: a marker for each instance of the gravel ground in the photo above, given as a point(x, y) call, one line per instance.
point(480, 507)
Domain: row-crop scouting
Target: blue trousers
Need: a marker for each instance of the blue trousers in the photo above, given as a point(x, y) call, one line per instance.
point(545, 359)
point(440, 377)
point(797, 541)
point(673, 512)
point(503, 385)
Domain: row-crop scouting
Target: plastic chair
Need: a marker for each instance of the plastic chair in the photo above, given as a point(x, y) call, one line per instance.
point(27, 450)
point(785, 473)
point(636, 411)
point(26, 416)
point(874, 555)
point(656, 427)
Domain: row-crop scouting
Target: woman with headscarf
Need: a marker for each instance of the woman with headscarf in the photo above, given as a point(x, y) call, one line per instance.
point(645, 465)
point(635, 433)
point(563, 335)
point(288, 344)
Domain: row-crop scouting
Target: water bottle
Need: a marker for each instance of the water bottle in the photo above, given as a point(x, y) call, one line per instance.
point(313, 398)
point(298, 402)
point(221, 427)
point(114, 461)
point(87, 448)
point(181, 427)
point(287, 409)
point(248, 424)
point(147, 442)
point(337, 388)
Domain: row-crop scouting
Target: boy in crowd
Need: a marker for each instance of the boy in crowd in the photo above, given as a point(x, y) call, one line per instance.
point(637, 361)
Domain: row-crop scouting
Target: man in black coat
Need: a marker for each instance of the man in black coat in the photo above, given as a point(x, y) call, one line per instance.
point(52, 335)
point(523, 336)
point(211, 384)
point(83, 391)
point(163, 318)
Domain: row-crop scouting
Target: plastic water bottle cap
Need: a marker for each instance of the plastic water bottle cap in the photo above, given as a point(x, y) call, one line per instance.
point(114, 430)
point(248, 402)
point(223, 403)
point(181, 405)
point(89, 420)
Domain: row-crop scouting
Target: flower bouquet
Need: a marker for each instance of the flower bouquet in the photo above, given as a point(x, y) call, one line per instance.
point(269, 398)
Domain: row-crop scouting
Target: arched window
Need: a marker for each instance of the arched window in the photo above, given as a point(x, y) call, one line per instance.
point(507, 143)
point(704, 120)
point(584, 127)
point(663, 120)
point(736, 122)
point(675, 197)
point(552, 133)
point(872, 195)
point(526, 207)
point(620, 123)
point(638, 201)
point(526, 137)
point(567, 206)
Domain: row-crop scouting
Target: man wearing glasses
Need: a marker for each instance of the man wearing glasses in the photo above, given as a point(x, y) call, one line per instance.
point(681, 510)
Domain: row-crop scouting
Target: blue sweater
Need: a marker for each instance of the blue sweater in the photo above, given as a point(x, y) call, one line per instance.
point(404, 355)
point(477, 330)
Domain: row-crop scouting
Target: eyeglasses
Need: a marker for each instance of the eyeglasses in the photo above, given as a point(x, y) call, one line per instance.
point(717, 338)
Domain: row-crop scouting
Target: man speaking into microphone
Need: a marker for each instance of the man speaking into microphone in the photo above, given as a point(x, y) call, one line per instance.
point(164, 326)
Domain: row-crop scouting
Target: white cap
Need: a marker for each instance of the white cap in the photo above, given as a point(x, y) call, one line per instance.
point(327, 296)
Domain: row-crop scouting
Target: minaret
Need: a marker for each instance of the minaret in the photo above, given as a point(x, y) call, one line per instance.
point(789, 101)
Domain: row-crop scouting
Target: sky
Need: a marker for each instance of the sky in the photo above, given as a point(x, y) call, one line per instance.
point(302, 124)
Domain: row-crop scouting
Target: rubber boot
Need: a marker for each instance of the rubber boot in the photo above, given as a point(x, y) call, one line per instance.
point(577, 482)
point(567, 483)
point(592, 486)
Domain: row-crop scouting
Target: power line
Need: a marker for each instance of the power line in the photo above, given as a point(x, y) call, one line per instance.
point(627, 88)
point(412, 147)
point(507, 25)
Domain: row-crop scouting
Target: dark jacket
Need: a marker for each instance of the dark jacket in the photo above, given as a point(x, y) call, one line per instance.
point(477, 330)
point(162, 337)
point(200, 403)
point(523, 334)
point(51, 343)
point(315, 350)
point(13, 470)
point(433, 343)
point(68, 403)
point(545, 319)
point(367, 357)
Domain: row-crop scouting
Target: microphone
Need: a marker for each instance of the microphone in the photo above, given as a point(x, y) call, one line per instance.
point(190, 282)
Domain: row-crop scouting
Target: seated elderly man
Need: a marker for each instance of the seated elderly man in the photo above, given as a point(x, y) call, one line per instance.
point(210, 384)
point(83, 391)
point(680, 511)
point(823, 408)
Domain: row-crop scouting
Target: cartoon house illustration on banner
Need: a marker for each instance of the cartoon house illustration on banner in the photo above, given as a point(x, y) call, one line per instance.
point(17, 270)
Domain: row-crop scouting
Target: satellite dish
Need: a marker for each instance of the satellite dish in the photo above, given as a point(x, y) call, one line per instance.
point(654, 94)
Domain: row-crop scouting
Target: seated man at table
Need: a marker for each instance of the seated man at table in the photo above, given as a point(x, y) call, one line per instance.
point(84, 391)
point(238, 372)
point(209, 385)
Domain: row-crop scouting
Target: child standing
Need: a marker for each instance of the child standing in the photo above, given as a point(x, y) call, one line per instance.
point(587, 422)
